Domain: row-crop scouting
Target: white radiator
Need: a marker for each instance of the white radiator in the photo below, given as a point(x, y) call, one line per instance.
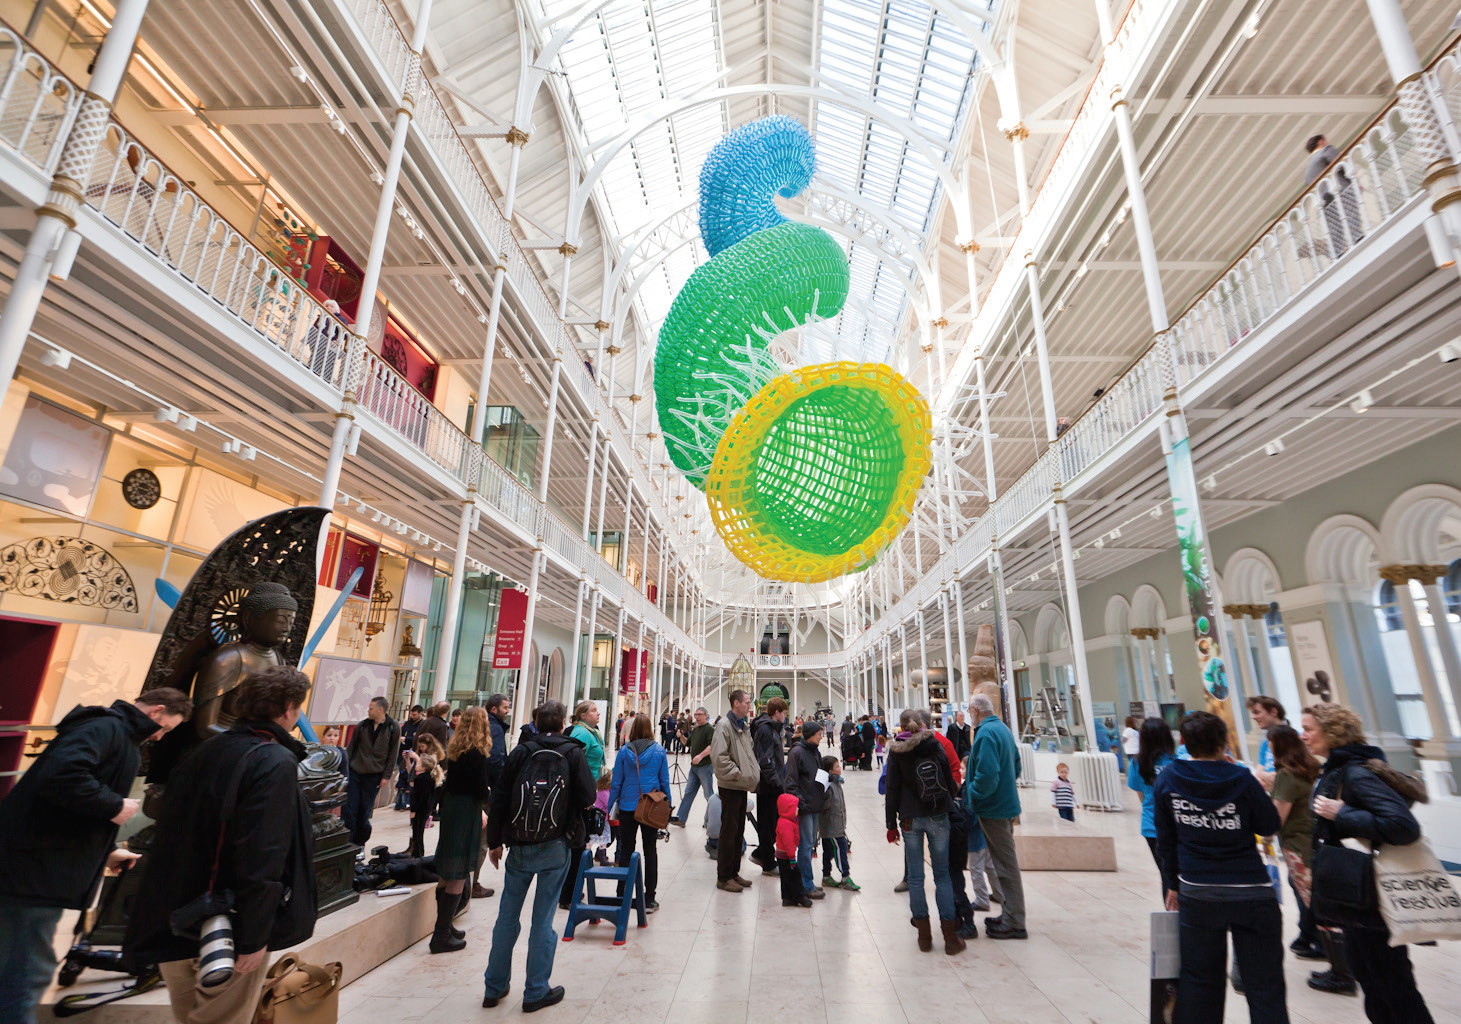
point(1097, 780)
point(1027, 766)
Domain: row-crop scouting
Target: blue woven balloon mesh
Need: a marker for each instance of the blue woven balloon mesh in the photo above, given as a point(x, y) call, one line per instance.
point(770, 157)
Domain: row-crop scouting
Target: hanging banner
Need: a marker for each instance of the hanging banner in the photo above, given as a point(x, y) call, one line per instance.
point(634, 671)
point(1197, 581)
point(512, 617)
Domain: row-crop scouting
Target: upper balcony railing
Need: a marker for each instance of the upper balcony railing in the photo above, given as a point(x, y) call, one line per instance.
point(381, 32)
point(37, 103)
point(1380, 174)
point(128, 186)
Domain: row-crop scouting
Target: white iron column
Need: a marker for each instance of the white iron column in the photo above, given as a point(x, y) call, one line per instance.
point(1424, 667)
point(370, 274)
point(516, 138)
point(573, 657)
point(551, 427)
point(524, 703)
point(1073, 615)
point(54, 240)
point(958, 593)
point(1042, 349)
point(447, 643)
point(1445, 637)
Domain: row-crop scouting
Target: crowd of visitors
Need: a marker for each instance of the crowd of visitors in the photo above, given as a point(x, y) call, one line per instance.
point(233, 832)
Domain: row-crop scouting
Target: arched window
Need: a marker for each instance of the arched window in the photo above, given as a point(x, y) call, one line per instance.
point(1452, 586)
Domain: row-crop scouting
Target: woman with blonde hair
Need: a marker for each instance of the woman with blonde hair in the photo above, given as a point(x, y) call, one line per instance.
point(462, 819)
point(586, 731)
point(1359, 796)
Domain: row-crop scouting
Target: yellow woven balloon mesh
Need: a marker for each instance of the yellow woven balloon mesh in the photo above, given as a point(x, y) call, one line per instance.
point(819, 471)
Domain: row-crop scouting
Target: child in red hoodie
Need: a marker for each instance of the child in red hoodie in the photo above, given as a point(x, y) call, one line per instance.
point(788, 837)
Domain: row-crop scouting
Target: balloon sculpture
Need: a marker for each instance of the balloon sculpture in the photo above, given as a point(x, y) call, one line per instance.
point(809, 472)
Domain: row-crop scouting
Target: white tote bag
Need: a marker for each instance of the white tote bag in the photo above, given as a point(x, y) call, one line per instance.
point(1418, 898)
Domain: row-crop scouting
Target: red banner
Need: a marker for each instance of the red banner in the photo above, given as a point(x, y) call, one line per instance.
point(512, 617)
point(634, 671)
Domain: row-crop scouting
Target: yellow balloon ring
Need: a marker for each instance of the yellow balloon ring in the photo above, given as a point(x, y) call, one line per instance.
point(818, 472)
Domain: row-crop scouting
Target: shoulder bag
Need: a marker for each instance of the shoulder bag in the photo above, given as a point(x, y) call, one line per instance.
point(299, 993)
point(653, 808)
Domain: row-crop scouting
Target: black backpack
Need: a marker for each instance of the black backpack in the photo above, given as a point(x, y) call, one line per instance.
point(929, 781)
point(539, 808)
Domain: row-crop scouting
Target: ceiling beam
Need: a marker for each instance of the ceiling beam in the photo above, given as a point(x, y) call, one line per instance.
point(311, 114)
point(1346, 103)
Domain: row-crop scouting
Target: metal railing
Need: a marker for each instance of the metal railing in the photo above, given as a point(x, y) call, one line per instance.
point(1379, 175)
point(37, 103)
point(135, 191)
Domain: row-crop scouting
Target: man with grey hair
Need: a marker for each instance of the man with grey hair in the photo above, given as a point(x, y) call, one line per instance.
point(702, 772)
point(994, 765)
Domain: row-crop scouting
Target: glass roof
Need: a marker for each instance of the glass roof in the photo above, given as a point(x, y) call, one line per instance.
point(898, 54)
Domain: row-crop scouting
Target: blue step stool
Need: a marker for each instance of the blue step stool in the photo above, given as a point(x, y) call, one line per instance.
point(588, 905)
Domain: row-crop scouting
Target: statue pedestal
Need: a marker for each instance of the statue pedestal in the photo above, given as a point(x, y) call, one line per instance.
point(334, 865)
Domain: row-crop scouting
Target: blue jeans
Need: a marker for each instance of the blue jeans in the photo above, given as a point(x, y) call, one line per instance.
point(806, 848)
point(702, 776)
point(548, 863)
point(27, 957)
point(936, 829)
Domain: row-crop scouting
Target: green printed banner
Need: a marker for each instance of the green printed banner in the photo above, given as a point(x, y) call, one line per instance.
point(1197, 582)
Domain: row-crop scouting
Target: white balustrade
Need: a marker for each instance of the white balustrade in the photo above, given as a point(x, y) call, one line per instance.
point(37, 103)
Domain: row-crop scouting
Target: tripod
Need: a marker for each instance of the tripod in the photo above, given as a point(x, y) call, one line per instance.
point(677, 775)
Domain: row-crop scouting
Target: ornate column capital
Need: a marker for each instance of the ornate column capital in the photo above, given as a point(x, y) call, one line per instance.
point(568, 249)
point(1146, 632)
point(1017, 132)
point(969, 246)
point(516, 136)
point(1402, 573)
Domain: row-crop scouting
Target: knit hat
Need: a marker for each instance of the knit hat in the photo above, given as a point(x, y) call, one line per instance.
point(810, 728)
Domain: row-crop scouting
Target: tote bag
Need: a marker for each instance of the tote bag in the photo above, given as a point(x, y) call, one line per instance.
point(296, 992)
point(1418, 898)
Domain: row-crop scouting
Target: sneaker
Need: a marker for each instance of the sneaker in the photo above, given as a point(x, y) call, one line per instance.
point(805, 902)
point(1328, 981)
point(773, 871)
point(651, 906)
point(553, 998)
point(796, 903)
point(729, 885)
point(817, 894)
point(1005, 932)
point(849, 885)
point(968, 930)
point(828, 882)
point(677, 823)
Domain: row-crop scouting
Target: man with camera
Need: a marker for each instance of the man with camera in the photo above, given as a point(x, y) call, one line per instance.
point(58, 830)
point(233, 851)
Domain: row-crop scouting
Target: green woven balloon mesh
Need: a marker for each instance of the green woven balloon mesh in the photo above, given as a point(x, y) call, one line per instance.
point(771, 281)
point(828, 470)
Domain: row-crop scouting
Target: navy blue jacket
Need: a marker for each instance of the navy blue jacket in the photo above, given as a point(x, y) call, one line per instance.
point(498, 758)
point(1206, 814)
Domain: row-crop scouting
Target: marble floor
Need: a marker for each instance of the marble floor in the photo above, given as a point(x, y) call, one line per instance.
point(720, 958)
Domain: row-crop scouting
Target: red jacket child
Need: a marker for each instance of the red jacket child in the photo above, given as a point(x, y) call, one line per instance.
point(788, 831)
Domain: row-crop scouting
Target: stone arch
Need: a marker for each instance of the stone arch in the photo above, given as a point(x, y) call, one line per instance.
point(1148, 610)
point(1019, 643)
point(1118, 616)
point(1342, 549)
point(1251, 577)
point(1422, 526)
point(1051, 631)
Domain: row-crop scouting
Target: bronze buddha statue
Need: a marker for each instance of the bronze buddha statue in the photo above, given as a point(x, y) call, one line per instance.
point(266, 617)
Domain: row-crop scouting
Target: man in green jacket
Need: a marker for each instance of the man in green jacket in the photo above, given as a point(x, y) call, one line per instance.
point(991, 796)
point(702, 773)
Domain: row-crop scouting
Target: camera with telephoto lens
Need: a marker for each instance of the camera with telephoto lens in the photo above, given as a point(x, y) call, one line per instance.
point(215, 952)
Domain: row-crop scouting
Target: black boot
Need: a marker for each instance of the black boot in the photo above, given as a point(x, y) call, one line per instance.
point(442, 939)
point(1338, 978)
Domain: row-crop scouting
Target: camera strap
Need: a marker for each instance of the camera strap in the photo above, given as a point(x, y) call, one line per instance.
point(230, 801)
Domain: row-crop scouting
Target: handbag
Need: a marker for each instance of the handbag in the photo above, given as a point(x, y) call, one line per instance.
point(296, 992)
point(1343, 885)
point(1417, 897)
point(653, 808)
